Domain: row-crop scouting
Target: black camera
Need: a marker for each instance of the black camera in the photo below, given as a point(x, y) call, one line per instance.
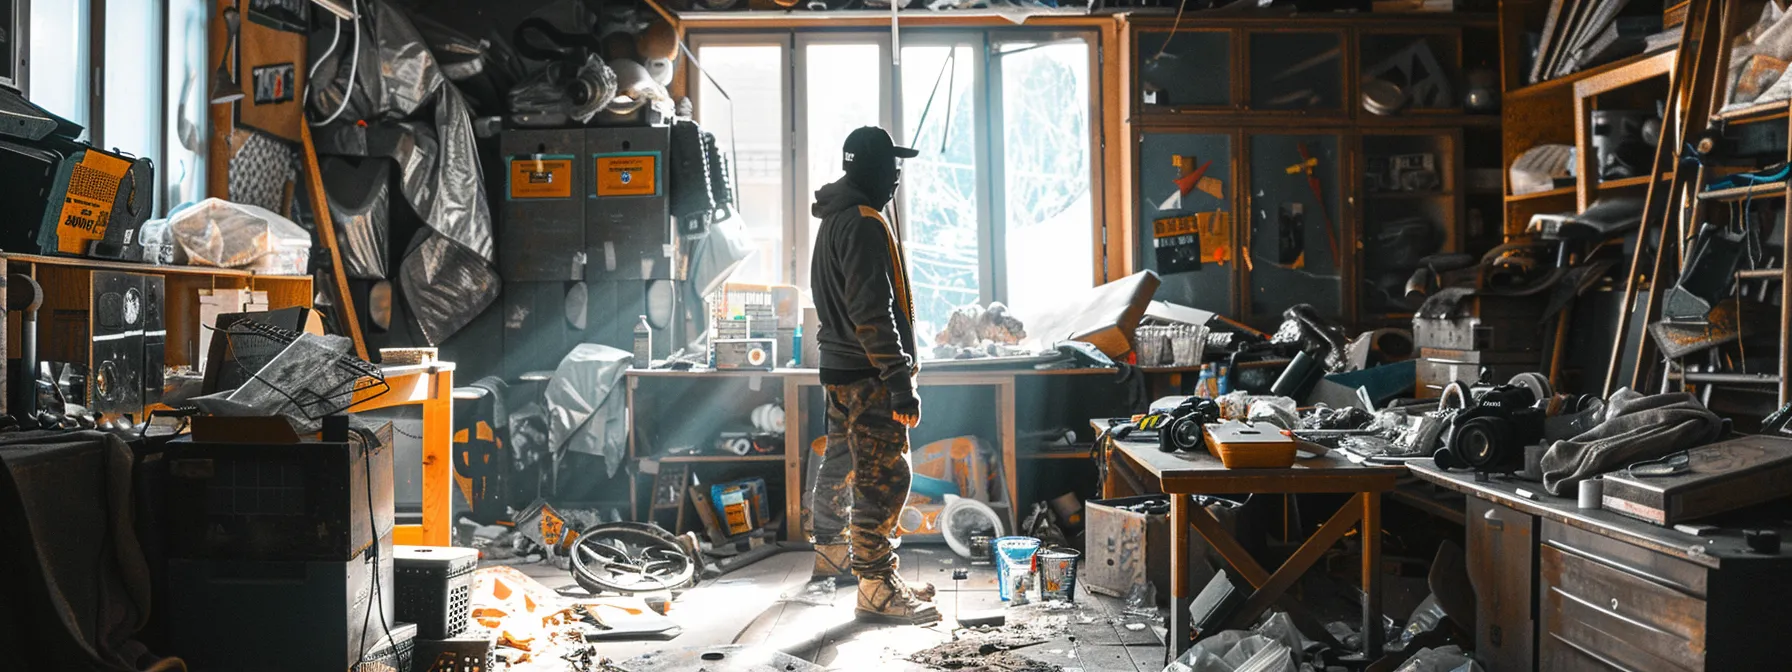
point(1180, 428)
point(1489, 433)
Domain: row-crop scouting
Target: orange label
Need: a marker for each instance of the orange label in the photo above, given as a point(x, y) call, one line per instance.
point(87, 206)
point(532, 177)
point(628, 175)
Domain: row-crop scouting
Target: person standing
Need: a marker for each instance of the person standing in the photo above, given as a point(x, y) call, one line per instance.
point(868, 363)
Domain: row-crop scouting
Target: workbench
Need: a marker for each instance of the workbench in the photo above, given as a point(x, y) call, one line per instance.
point(430, 386)
point(1136, 467)
point(1563, 588)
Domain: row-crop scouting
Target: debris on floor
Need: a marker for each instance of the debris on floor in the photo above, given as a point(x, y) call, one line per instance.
point(534, 629)
point(728, 658)
point(988, 648)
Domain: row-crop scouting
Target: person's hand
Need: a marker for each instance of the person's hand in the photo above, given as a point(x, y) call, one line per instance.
point(907, 410)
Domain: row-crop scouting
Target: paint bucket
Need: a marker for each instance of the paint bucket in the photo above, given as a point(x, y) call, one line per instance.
point(1013, 554)
point(1057, 573)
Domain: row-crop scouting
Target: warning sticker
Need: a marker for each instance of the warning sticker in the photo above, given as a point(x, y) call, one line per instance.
point(628, 174)
point(87, 207)
point(541, 177)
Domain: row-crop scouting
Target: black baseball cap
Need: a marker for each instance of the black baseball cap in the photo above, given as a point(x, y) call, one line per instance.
point(870, 148)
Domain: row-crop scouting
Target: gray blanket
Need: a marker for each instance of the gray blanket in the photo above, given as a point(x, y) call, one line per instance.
point(1636, 427)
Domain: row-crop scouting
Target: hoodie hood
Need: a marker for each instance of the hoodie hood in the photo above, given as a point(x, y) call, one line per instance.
point(839, 195)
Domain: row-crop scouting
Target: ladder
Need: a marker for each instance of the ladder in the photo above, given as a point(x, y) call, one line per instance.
point(1676, 205)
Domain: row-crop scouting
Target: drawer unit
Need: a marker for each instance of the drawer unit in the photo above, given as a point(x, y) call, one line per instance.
point(1608, 605)
point(1502, 561)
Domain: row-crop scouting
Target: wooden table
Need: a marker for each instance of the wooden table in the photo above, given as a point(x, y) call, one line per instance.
point(432, 387)
point(1182, 474)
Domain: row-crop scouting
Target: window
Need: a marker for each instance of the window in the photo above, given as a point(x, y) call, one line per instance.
point(57, 69)
point(1048, 214)
point(133, 79)
point(748, 116)
point(183, 167)
point(998, 206)
point(146, 97)
point(940, 199)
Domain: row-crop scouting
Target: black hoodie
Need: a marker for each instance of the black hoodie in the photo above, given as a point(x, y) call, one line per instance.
point(862, 295)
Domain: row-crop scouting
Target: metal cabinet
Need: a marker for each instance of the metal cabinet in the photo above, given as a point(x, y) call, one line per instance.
point(1502, 564)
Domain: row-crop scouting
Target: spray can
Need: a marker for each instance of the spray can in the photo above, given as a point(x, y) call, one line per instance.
point(643, 344)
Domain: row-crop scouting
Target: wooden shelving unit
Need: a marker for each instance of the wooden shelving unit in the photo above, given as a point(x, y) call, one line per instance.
point(688, 408)
point(66, 282)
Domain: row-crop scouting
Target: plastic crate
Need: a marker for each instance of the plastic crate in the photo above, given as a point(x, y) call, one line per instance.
point(435, 588)
point(466, 654)
point(392, 655)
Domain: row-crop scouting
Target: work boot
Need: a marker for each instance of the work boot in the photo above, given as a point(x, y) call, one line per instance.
point(833, 561)
point(886, 598)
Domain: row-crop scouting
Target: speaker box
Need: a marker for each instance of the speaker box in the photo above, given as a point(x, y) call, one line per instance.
point(628, 226)
point(116, 324)
point(155, 338)
point(541, 224)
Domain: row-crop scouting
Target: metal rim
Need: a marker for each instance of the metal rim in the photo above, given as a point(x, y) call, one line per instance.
point(628, 560)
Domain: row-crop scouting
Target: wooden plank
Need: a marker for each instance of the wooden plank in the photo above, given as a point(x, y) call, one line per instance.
point(1297, 565)
point(1371, 540)
point(438, 461)
point(326, 234)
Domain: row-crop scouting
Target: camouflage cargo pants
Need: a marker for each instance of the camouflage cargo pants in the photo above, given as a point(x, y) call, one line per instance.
point(863, 477)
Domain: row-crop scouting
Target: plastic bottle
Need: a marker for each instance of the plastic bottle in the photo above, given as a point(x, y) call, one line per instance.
point(643, 344)
point(796, 347)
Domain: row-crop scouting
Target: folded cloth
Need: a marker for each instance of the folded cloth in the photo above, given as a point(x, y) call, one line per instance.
point(1636, 427)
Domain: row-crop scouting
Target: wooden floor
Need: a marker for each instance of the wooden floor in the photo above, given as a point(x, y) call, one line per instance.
point(765, 604)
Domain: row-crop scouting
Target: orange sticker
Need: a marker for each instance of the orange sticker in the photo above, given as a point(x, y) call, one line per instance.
point(87, 208)
point(541, 177)
point(628, 174)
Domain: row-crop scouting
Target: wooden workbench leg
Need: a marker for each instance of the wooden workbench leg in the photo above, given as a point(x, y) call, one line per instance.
point(438, 462)
point(1180, 593)
point(1373, 637)
point(794, 450)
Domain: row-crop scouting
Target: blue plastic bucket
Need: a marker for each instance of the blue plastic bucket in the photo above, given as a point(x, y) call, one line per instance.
point(1012, 552)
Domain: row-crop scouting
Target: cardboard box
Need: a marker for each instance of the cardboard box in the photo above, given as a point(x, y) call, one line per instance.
point(1125, 548)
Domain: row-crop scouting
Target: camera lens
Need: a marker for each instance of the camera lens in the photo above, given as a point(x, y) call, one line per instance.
point(1186, 433)
point(1480, 441)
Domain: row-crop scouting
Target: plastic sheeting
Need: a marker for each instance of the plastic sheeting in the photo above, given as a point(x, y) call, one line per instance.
point(219, 233)
point(446, 286)
point(587, 405)
point(407, 68)
point(442, 179)
point(360, 199)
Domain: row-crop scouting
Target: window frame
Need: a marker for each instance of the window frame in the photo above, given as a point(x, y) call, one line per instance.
point(984, 134)
point(993, 261)
point(96, 82)
point(793, 227)
point(801, 192)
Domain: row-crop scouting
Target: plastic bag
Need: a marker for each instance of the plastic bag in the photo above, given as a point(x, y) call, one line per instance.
point(1425, 618)
point(1442, 659)
point(1279, 627)
point(216, 232)
point(1236, 651)
point(155, 242)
